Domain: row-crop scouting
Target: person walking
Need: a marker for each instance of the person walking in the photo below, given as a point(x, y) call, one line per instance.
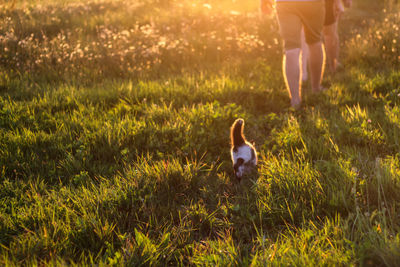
point(334, 9)
point(293, 16)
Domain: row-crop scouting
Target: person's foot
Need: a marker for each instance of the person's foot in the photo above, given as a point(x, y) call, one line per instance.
point(339, 67)
point(295, 103)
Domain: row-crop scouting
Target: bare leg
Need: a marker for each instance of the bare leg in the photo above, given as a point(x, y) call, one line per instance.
point(304, 57)
point(291, 71)
point(317, 65)
point(331, 37)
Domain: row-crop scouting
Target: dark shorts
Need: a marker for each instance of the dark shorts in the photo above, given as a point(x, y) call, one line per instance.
point(329, 14)
point(294, 16)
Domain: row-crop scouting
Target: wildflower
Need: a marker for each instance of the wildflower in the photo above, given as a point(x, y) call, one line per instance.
point(378, 228)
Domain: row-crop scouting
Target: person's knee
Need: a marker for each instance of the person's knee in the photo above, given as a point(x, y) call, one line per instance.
point(290, 53)
point(329, 31)
point(292, 45)
point(315, 45)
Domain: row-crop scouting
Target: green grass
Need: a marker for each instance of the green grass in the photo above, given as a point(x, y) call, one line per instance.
point(114, 138)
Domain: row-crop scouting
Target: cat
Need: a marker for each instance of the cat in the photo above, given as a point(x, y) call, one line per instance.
point(244, 155)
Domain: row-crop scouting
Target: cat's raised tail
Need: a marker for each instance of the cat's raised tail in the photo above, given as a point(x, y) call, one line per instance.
point(237, 137)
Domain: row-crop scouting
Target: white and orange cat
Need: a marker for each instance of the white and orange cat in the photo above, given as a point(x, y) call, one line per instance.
point(244, 155)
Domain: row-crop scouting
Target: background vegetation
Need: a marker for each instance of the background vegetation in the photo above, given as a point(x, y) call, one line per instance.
point(114, 138)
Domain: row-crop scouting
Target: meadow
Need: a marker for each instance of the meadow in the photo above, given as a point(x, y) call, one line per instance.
point(114, 138)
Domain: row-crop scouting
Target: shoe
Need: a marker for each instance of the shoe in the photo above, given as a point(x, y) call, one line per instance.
point(296, 106)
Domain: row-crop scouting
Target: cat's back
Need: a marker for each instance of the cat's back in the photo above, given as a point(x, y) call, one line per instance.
point(246, 152)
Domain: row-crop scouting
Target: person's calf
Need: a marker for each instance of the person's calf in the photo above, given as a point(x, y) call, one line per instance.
point(331, 38)
point(291, 70)
point(317, 65)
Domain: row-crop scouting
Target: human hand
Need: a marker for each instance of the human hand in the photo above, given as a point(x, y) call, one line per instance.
point(347, 3)
point(266, 7)
point(338, 8)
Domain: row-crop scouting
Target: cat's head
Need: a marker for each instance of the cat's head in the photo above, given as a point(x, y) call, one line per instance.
point(239, 168)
